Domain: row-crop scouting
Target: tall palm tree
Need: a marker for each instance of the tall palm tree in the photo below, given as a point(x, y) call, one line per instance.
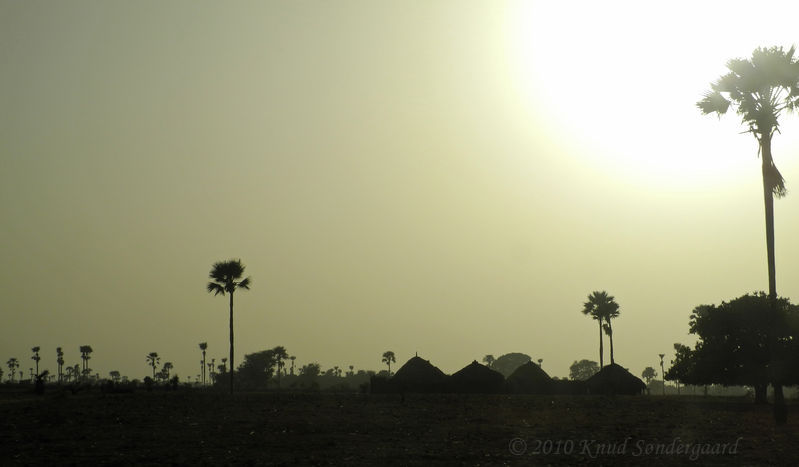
point(662, 372)
point(609, 313)
point(13, 364)
point(203, 347)
point(388, 359)
point(292, 358)
point(153, 359)
point(36, 357)
point(760, 89)
point(60, 361)
point(596, 307)
point(225, 277)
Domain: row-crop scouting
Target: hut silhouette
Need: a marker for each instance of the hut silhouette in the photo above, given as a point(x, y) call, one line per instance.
point(613, 379)
point(476, 379)
point(529, 379)
point(418, 375)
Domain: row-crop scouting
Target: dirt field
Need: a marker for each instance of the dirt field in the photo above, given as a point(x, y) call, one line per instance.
point(198, 428)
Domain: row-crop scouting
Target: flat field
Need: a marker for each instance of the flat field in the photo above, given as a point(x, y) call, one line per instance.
point(206, 428)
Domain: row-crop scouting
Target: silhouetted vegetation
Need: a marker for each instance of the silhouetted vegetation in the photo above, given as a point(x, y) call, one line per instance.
point(582, 370)
point(761, 89)
point(225, 277)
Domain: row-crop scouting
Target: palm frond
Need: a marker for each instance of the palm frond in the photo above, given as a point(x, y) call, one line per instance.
point(215, 288)
point(245, 284)
point(712, 102)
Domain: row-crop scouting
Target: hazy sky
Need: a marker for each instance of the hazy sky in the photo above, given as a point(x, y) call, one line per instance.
point(452, 178)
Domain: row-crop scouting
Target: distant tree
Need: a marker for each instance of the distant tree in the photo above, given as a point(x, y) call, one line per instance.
point(388, 359)
point(224, 365)
point(1, 374)
point(85, 355)
point(540, 361)
point(292, 358)
point(352, 370)
point(203, 347)
point(649, 374)
point(13, 364)
point(36, 357)
point(582, 370)
point(256, 369)
point(225, 277)
point(153, 360)
point(211, 372)
point(280, 355)
point(507, 364)
point(166, 368)
point(60, 361)
point(114, 374)
point(488, 360)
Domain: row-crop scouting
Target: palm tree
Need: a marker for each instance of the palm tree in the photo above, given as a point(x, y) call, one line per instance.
point(224, 365)
point(599, 306)
point(203, 347)
point(13, 364)
point(167, 366)
point(609, 313)
point(352, 370)
point(60, 361)
point(541, 360)
point(292, 358)
point(760, 89)
point(225, 277)
point(388, 359)
point(489, 360)
point(85, 352)
point(36, 357)
point(662, 372)
point(153, 359)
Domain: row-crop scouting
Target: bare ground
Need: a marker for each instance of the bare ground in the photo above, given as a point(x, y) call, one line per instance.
point(199, 428)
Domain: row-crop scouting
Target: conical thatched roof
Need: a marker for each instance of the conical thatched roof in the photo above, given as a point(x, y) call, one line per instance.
point(476, 378)
point(418, 374)
point(613, 379)
point(529, 379)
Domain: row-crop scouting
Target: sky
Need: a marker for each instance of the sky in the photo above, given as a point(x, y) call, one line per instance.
point(448, 178)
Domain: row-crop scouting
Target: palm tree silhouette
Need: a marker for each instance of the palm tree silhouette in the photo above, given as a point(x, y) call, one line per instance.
point(60, 361)
point(224, 276)
point(292, 358)
point(760, 89)
point(167, 366)
point(352, 370)
point(599, 306)
point(388, 359)
point(85, 355)
point(662, 372)
point(36, 357)
point(203, 347)
point(13, 364)
point(153, 359)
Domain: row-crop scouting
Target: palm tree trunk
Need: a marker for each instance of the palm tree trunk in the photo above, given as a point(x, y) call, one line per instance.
point(601, 350)
point(231, 342)
point(768, 201)
point(610, 335)
point(780, 410)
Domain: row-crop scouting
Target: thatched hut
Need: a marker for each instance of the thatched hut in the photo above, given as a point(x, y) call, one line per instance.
point(529, 379)
point(613, 379)
point(418, 375)
point(476, 378)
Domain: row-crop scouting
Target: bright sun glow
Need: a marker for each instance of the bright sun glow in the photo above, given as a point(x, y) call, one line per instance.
point(590, 73)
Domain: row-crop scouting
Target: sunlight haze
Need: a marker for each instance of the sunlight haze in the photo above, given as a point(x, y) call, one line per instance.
point(447, 178)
